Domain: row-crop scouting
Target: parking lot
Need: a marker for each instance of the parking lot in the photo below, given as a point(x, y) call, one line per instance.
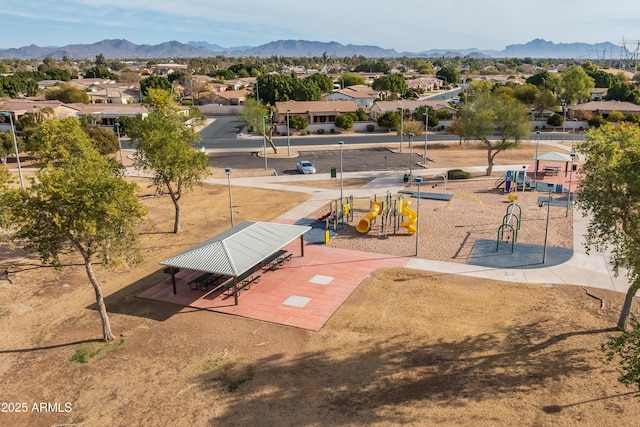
point(353, 160)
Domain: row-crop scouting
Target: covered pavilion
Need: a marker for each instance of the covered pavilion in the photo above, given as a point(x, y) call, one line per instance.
point(237, 252)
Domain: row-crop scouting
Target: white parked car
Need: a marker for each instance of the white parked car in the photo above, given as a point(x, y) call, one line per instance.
point(305, 167)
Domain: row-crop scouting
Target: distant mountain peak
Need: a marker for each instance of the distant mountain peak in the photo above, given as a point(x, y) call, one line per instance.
point(124, 49)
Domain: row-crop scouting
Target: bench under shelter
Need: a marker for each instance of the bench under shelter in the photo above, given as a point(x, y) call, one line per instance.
point(236, 252)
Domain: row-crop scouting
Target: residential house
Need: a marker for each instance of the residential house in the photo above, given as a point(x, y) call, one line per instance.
point(52, 108)
point(381, 107)
point(362, 95)
point(229, 97)
point(598, 94)
point(315, 112)
point(107, 114)
point(602, 108)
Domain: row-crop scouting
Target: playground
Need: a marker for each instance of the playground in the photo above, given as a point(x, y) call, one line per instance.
point(450, 223)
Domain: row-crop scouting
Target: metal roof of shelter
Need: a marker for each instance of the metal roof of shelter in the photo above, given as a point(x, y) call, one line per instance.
point(554, 157)
point(237, 249)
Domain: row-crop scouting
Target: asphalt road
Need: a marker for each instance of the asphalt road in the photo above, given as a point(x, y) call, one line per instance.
point(224, 134)
point(232, 148)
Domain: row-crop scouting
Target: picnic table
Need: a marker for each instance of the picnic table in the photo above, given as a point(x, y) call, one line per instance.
point(205, 280)
point(551, 170)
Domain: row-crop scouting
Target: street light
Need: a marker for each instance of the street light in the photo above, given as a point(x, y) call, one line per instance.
point(119, 142)
point(401, 126)
point(573, 136)
point(228, 171)
point(288, 136)
point(341, 145)
point(564, 118)
point(573, 155)
point(535, 176)
point(411, 135)
point(426, 131)
point(418, 181)
point(15, 145)
point(264, 141)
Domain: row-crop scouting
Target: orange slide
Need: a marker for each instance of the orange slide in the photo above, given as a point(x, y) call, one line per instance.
point(412, 216)
point(365, 223)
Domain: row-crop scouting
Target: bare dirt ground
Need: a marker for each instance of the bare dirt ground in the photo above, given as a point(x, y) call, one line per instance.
point(407, 348)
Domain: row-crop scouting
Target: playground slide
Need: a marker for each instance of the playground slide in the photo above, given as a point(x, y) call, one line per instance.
point(327, 215)
point(365, 223)
point(412, 217)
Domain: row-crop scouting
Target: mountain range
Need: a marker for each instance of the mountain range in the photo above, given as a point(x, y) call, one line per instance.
point(124, 49)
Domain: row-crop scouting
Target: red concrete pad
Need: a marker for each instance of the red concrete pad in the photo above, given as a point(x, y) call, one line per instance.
point(342, 270)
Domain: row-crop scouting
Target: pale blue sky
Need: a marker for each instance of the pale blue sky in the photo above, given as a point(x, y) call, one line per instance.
point(409, 25)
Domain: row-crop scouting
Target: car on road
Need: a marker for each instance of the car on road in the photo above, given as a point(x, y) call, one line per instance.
point(305, 167)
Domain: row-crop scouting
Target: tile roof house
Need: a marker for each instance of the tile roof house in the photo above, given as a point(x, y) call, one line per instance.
point(603, 108)
point(316, 112)
point(362, 95)
point(381, 107)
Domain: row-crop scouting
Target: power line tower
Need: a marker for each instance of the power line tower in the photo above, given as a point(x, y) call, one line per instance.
point(632, 50)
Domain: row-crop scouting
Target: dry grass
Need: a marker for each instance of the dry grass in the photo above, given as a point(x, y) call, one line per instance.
point(407, 348)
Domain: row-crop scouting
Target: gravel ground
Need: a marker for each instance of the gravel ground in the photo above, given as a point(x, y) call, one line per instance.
point(448, 230)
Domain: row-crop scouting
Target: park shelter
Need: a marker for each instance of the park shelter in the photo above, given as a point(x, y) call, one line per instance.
point(237, 250)
point(553, 157)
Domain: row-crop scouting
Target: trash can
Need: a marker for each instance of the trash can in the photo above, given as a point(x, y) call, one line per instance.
point(333, 172)
point(406, 177)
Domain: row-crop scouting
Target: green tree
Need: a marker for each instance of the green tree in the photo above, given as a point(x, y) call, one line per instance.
point(82, 204)
point(555, 120)
point(154, 82)
point(609, 192)
point(100, 72)
point(323, 82)
point(344, 121)
point(456, 128)
point(625, 349)
point(104, 140)
point(389, 119)
point(576, 85)
point(252, 114)
point(298, 123)
point(351, 79)
point(488, 113)
point(68, 94)
point(391, 84)
point(165, 147)
point(450, 74)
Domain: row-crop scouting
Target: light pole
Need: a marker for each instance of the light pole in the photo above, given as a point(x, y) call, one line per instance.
point(426, 131)
point(573, 155)
point(418, 181)
point(341, 145)
point(401, 126)
point(411, 135)
point(573, 135)
point(264, 141)
point(535, 175)
point(119, 142)
point(15, 145)
point(546, 230)
point(288, 136)
point(564, 118)
point(228, 171)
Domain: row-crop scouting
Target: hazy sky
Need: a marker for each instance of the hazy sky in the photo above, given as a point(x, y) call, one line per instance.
point(409, 25)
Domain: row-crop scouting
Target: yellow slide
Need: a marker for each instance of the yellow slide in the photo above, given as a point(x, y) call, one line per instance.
point(365, 223)
point(411, 215)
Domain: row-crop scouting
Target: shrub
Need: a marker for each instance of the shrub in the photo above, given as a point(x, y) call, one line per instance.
point(458, 174)
point(596, 122)
point(320, 131)
point(555, 120)
point(370, 128)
